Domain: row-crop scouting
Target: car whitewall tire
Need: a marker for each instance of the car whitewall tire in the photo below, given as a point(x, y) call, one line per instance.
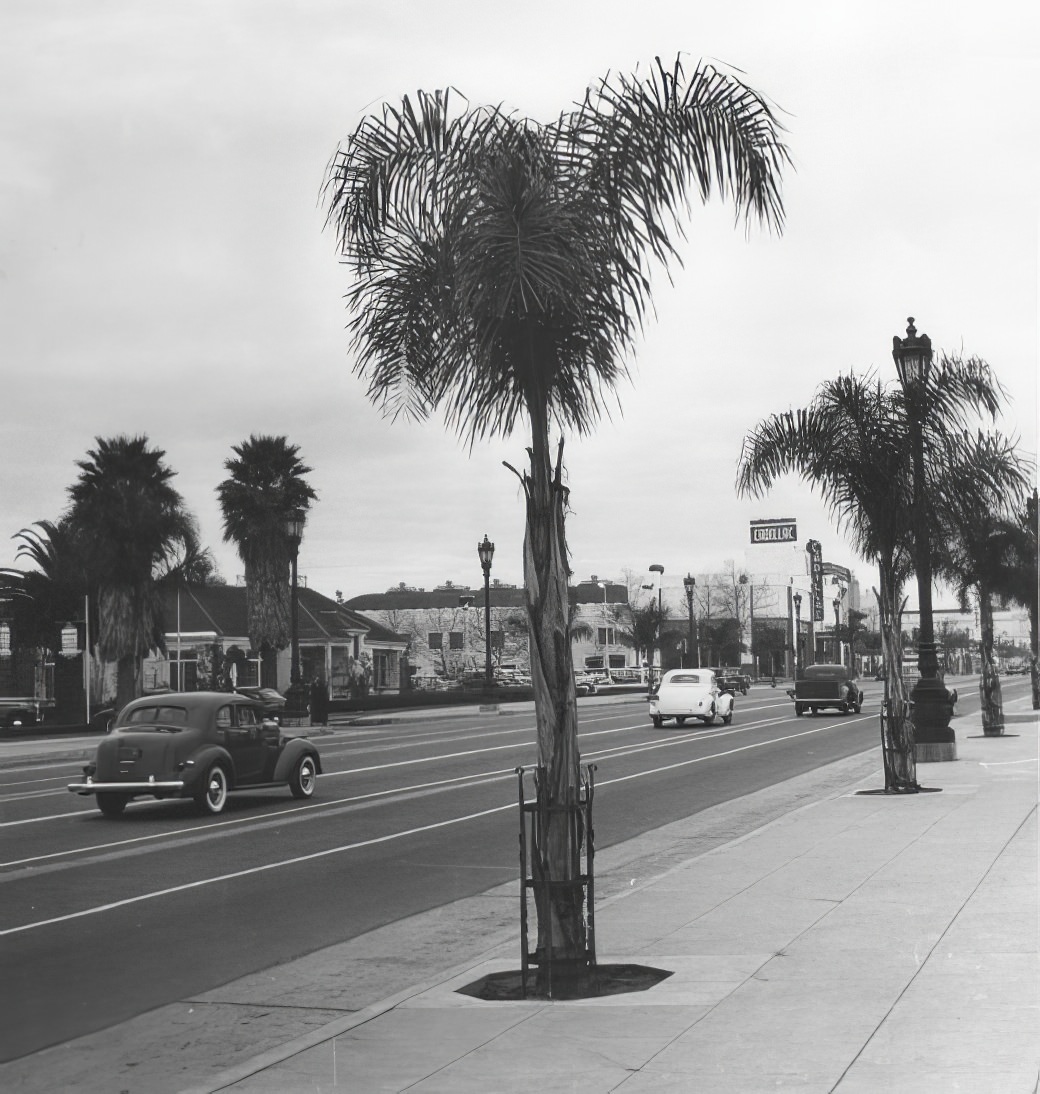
point(212, 794)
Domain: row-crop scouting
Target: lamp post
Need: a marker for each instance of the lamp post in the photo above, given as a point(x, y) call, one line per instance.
point(486, 552)
point(295, 696)
point(932, 703)
point(657, 568)
point(606, 632)
point(690, 584)
point(797, 598)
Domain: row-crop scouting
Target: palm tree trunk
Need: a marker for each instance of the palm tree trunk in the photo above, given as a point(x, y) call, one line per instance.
point(126, 680)
point(561, 920)
point(898, 748)
point(989, 681)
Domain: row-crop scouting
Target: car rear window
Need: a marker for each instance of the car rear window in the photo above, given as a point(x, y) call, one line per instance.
point(686, 678)
point(167, 715)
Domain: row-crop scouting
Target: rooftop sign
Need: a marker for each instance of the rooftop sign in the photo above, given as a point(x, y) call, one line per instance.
point(784, 530)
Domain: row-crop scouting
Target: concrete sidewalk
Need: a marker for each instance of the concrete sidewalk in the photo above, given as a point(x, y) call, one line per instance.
point(819, 938)
point(860, 943)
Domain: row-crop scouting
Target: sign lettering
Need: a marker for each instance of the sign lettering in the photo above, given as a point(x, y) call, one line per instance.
point(774, 531)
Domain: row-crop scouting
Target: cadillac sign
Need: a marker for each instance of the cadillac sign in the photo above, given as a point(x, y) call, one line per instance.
point(774, 531)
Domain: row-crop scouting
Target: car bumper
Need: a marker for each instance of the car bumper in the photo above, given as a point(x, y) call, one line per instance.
point(150, 786)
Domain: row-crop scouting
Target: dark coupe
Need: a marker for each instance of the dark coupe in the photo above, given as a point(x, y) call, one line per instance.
point(199, 745)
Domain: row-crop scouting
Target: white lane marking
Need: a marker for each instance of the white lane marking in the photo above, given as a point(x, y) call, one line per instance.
point(186, 836)
point(380, 839)
point(252, 870)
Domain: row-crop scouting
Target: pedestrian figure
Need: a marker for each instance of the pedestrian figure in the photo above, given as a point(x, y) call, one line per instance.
point(319, 702)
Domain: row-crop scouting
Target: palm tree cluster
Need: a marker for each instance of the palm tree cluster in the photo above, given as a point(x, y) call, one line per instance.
point(501, 271)
point(127, 535)
point(850, 443)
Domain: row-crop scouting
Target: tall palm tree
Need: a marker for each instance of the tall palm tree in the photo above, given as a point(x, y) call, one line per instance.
point(129, 519)
point(502, 271)
point(850, 443)
point(264, 487)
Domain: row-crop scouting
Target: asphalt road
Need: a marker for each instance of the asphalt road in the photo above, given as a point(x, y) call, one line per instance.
point(101, 920)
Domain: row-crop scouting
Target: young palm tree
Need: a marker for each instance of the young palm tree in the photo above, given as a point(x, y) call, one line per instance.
point(129, 519)
point(502, 271)
point(264, 487)
point(980, 545)
point(850, 443)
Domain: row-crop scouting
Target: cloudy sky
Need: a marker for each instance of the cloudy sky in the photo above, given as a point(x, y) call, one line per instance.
point(164, 268)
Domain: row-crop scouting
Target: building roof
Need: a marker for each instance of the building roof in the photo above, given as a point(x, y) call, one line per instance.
point(502, 596)
point(403, 598)
point(221, 610)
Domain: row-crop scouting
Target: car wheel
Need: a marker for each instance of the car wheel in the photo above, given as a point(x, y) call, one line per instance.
point(303, 778)
point(858, 706)
point(727, 718)
point(211, 796)
point(743, 691)
point(709, 719)
point(680, 720)
point(843, 707)
point(658, 722)
point(799, 709)
point(112, 804)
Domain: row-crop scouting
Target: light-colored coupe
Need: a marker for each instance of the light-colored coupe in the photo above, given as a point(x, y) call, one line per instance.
point(690, 693)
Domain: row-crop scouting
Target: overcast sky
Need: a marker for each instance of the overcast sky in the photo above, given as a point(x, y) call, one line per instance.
point(164, 268)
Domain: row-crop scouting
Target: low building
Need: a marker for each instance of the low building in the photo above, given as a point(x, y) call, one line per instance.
point(207, 645)
point(446, 626)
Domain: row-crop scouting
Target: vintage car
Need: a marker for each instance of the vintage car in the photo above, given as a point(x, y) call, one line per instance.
point(584, 683)
point(822, 686)
point(199, 745)
point(690, 693)
point(731, 680)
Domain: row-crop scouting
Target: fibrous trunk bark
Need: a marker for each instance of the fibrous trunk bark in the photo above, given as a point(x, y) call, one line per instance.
point(560, 905)
point(989, 680)
point(897, 730)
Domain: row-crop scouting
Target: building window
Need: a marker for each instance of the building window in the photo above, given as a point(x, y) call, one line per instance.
point(605, 636)
point(455, 640)
point(435, 640)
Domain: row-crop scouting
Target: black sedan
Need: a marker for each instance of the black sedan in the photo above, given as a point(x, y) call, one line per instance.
point(199, 745)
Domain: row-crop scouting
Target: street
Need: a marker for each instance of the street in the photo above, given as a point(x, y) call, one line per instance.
point(102, 920)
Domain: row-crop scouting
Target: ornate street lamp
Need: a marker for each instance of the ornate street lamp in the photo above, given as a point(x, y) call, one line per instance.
point(657, 568)
point(690, 584)
point(295, 696)
point(486, 552)
point(932, 703)
point(797, 598)
point(606, 631)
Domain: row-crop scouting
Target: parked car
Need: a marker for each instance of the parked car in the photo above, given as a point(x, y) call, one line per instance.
point(584, 683)
point(690, 693)
point(822, 686)
point(199, 745)
point(273, 701)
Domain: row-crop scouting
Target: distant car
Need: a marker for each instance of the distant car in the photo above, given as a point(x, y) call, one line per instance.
point(822, 686)
point(273, 701)
point(584, 683)
point(199, 745)
point(731, 680)
point(690, 693)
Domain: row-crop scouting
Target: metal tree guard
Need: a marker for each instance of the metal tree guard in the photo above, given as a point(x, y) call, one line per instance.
point(534, 826)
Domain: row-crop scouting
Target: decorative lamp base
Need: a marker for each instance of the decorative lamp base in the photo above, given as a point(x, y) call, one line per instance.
point(931, 711)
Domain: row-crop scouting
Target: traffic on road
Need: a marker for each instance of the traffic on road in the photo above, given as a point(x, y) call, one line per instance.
point(101, 921)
